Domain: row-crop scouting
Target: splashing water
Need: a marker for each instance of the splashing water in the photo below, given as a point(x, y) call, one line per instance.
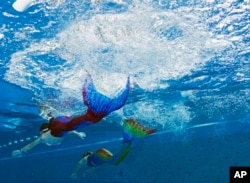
point(152, 42)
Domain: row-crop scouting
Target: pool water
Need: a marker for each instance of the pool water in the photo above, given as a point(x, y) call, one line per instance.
point(189, 68)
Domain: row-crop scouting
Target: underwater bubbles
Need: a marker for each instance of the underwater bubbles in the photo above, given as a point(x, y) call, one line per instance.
point(14, 142)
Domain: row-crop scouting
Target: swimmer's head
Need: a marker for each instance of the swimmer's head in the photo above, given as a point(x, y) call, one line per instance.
point(86, 154)
point(46, 126)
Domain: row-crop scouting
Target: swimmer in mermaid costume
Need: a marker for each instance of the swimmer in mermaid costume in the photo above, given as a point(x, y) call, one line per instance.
point(98, 105)
point(131, 131)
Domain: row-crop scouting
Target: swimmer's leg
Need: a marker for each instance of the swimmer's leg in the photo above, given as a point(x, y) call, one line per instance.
point(99, 103)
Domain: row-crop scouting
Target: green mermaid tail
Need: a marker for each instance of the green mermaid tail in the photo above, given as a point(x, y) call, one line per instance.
point(131, 131)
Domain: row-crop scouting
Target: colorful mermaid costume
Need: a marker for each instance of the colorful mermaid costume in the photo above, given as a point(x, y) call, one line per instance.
point(98, 105)
point(131, 131)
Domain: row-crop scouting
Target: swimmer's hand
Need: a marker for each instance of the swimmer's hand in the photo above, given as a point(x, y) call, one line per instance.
point(82, 135)
point(17, 153)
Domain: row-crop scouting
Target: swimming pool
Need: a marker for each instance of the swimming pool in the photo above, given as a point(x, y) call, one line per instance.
point(189, 69)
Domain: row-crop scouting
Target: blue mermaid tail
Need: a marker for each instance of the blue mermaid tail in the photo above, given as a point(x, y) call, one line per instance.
point(99, 103)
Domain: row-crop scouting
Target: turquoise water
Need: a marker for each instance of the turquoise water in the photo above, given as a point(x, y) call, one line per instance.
point(189, 66)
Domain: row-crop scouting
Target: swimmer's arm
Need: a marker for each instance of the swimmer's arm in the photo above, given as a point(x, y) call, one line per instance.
point(27, 147)
point(31, 145)
point(82, 135)
point(80, 164)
